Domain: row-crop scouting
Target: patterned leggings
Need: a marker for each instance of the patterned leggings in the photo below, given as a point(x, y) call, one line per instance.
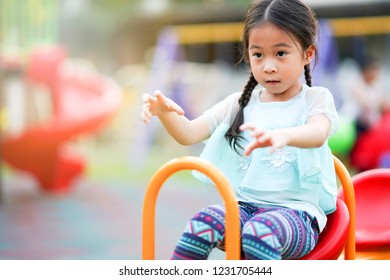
point(266, 233)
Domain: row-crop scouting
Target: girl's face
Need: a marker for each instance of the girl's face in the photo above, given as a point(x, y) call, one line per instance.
point(277, 62)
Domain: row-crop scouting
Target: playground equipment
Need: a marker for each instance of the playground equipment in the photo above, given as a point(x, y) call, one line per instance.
point(372, 192)
point(339, 234)
point(81, 104)
point(372, 148)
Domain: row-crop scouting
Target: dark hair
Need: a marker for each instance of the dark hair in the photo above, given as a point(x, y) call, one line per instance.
point(292, 16)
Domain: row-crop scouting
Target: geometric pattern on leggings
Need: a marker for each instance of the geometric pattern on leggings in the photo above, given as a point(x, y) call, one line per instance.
point(191, 247)
point(263, 232)
point(288, 232)
point(202, 233)
point(268, 233)
point(259, 242)
point(202, 230)
point(257, 249)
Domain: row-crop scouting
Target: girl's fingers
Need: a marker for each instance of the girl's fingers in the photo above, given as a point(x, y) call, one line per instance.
point(179, 110)
point(171, 105)
point(159, 96)
point(247, 151)
point(254, 131)
point(145, 117)
point(158, 105)
point(262, 137)
point(249, 148)
point(247, 126)
point(145, 97)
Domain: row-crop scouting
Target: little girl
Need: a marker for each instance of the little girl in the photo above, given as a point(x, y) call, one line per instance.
point(270, 141)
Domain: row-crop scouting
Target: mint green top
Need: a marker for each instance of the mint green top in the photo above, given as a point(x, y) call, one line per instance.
point(301, 179)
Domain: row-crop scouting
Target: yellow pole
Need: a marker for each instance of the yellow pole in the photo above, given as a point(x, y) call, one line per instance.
point(231, 32)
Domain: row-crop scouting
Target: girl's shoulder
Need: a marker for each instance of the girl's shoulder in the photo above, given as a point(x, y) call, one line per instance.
point(222, 111)
point(234, 97)
point(317, 93)
point(229, 102)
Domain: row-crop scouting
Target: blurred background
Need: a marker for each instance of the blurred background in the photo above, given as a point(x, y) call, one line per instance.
point(75, 156)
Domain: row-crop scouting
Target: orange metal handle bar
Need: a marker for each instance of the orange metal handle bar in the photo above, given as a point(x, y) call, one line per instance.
point(233, 239)
point(349, 198)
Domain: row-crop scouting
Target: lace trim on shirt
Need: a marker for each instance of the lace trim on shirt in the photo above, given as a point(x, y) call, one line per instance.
point(245, 162)
point(281, 156)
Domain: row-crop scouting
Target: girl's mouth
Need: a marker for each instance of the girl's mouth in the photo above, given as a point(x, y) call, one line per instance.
point(272, 82)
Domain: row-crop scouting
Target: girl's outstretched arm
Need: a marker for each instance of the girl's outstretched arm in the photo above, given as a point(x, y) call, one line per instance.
point(171, 115)
point(313, 134)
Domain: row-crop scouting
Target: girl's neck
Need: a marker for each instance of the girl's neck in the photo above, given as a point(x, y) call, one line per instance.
point(266, 96)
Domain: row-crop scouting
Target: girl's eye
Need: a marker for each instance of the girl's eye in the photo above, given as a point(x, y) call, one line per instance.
point(281, 53)
point(257, 55)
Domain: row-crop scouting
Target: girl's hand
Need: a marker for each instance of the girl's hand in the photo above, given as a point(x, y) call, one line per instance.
point(276, 139)
point(158, 105)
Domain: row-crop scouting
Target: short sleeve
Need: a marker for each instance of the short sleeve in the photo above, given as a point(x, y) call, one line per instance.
point(320, 101)
point(223, 111)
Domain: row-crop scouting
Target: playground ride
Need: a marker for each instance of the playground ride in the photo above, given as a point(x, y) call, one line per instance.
point(372, 193)
point(81, 105)
point(338, 236)
point(372, 148)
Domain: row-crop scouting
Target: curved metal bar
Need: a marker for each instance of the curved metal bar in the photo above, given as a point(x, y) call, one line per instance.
point(233, 239)
point(349, 198)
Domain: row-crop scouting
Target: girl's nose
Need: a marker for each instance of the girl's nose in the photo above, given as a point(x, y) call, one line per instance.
point(269, 66)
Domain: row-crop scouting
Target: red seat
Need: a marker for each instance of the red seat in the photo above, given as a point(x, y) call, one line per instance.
point(372, 191)
point(332, 239)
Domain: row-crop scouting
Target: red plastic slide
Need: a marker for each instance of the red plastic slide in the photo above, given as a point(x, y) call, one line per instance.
point(81, 105)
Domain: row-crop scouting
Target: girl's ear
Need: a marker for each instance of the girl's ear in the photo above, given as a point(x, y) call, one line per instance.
point(309, 54)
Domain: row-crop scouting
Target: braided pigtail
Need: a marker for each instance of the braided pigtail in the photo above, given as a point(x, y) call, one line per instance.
point(307, 75)
point(233, 133)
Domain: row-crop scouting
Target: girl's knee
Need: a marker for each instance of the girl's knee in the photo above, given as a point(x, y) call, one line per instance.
point(259, 242)
point(212, 216)
point(284, 231)
point(261, 230)
point(208, 225)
